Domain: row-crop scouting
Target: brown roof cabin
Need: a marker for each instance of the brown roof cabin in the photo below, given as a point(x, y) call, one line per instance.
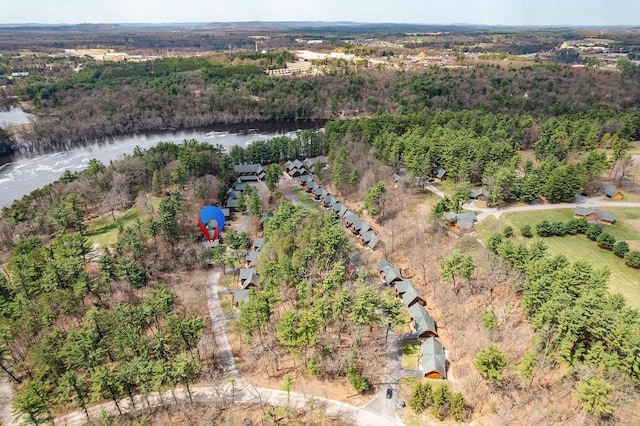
point(412, 296)
point(423, 324)
point(612, 193)
point(594, 215)
point(433, 359)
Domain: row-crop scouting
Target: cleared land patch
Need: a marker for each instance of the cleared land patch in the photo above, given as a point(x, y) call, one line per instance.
point(623, 280)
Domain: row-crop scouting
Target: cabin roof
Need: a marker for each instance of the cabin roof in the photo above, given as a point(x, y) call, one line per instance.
point(434, 358)
point(402, 286)
point(410, 295)
point(240, 296)
point(423, 321)
point(257, 243)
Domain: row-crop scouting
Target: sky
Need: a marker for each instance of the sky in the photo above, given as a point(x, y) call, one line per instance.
point(488, 12)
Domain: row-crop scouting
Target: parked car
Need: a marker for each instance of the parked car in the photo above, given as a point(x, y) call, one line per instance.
point(389, 393)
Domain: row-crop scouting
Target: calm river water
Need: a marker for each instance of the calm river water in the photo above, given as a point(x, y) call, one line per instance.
point(20, 176)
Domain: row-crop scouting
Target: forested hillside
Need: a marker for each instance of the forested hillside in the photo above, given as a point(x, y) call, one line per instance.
point(478, 147)
point(112, 99)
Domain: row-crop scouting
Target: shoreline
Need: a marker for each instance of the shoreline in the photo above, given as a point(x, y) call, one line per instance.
point(25, 149)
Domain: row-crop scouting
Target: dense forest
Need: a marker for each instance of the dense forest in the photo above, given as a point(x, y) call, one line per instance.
point(482, 148)
point(112, 99)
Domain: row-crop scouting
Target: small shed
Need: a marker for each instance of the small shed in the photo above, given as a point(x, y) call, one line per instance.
point(612, 193)
point(433, 359)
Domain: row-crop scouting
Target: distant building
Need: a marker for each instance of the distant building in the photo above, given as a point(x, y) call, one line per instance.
point(19, 74)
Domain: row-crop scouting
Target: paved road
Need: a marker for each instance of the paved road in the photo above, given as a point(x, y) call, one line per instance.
point(390, 379)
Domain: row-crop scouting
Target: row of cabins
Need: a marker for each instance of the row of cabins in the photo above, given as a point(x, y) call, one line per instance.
point(357, 226)
point(249, 172)
point(233, 195)
point(297, 168)
point(433, 359)
point(248, 276)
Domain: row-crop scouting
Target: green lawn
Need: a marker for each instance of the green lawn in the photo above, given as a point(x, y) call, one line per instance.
point(104, 230)
point(305, 200)
point(410, 353)
point(623, 280)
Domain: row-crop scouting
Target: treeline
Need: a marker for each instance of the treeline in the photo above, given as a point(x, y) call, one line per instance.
point(481, 148)
point(306, 144)
point(309, 305)
point(578, 321)
point(594, 232)
point(116, 99)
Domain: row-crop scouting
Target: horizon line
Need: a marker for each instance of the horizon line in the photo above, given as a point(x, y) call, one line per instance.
point(455, 24)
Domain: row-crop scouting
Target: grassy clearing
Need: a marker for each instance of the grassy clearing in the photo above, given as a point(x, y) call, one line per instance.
point(623, 280)
point(226, 303)
point(104, 230)
point(410, 353)
point(305, 200)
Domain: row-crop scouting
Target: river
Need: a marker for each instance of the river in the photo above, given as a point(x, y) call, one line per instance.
point(14, 116)
point(19, 176)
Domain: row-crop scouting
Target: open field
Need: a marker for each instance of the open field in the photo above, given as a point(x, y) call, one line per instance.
point(623, 280)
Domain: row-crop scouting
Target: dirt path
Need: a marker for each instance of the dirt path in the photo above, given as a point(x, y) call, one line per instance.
point(239, 393)
point(6, 393)
point(219, 326)
point(483, 213)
